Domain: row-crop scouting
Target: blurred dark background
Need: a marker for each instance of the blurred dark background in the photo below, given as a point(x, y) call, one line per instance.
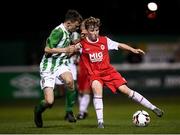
point(25, 25)
point(29, 18)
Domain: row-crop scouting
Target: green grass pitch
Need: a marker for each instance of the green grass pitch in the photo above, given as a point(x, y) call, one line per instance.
point(17, 117)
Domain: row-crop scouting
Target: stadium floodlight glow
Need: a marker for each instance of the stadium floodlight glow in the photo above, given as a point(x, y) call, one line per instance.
point(152, 6)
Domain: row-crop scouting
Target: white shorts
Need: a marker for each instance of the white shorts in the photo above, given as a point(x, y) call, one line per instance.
point(48, 78)
point(73, 69)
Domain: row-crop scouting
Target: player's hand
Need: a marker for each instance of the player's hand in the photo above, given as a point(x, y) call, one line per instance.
point(78, 46)
point(138, 51)
point(72, 49)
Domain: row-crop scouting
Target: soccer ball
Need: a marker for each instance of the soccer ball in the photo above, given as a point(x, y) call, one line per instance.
point(141, 118)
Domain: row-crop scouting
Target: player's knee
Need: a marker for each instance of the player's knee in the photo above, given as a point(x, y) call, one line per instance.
point(70, 83)
point(124, 89)
point(50, 102)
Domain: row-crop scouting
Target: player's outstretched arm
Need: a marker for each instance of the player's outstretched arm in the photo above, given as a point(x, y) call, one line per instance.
point(69, 49)
point(129, 48)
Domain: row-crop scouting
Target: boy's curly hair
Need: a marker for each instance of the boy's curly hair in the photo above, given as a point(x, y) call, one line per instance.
point(92, 21)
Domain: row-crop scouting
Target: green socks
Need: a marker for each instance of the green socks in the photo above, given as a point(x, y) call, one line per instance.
point(41, 107)
point(70, 99)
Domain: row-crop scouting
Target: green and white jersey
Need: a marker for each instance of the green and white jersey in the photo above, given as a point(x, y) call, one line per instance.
point(75, 36)
point(59, 38)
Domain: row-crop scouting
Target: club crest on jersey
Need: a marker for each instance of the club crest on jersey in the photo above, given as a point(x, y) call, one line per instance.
point(96, 57)
point(102, 47)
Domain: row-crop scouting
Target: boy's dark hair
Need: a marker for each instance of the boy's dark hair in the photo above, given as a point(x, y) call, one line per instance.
point(92, 21)
point(73, 15)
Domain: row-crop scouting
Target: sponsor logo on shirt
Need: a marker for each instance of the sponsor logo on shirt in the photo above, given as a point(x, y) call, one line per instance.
point(96, 57)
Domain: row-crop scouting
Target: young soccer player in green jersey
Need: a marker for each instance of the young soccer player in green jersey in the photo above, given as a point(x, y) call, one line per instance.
point(55, 63)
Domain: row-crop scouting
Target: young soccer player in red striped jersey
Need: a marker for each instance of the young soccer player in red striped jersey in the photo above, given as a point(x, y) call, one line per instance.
point(95, 57)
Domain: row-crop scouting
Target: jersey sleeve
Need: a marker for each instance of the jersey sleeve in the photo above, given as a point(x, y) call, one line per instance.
point(54, 38)
point(112, 45)
point(75, 36)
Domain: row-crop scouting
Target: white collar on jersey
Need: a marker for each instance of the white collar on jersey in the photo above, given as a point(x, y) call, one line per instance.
point(92, 41)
